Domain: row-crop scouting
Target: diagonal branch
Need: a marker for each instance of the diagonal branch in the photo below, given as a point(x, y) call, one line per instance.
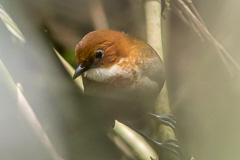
point(189, 14)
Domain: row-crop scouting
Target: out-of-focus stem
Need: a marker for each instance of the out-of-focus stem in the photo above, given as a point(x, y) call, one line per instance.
point(70, 70)
point(98, 15)
point(21, 107)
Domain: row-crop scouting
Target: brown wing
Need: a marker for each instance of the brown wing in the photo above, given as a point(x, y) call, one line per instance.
point(151, 64)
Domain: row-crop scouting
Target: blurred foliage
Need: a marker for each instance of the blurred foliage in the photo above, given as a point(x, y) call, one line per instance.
point(70, 56)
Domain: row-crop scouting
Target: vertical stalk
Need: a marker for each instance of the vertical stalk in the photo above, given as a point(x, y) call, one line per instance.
point(154, 38)
point(98, 15)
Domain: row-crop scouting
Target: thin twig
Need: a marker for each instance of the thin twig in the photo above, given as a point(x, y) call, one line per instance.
point(190, 15)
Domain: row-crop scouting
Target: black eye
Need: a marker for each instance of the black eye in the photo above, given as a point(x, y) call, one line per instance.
point(99, 54)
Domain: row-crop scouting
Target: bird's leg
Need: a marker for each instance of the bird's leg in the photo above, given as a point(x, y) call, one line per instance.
point(169, 145)
point(167, 119)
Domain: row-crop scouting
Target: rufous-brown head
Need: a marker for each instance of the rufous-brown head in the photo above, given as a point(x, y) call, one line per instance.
point(100, 49)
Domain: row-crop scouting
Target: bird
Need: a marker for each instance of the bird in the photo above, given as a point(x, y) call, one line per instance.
point(125, 74)
point(117, 66)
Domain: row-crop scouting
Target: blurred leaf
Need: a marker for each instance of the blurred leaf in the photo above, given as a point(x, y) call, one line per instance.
point(11, 25)
point(70, 70)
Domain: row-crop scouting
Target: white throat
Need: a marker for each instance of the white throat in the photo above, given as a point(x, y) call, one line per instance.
point(104, 74)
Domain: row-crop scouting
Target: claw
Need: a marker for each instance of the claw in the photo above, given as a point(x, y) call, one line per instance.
point(171, 141)
point(169, 145)
point(167, 119)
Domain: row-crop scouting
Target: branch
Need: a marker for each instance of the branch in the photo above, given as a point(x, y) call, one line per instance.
point(153, 10)
point(189, 14)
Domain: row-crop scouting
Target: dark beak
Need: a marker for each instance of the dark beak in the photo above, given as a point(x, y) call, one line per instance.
point(79, 71)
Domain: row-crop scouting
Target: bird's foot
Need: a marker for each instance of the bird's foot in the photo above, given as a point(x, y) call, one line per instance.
point(169, 145)
point(166, 119)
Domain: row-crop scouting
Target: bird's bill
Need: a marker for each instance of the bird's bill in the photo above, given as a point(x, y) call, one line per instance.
point(79, 71)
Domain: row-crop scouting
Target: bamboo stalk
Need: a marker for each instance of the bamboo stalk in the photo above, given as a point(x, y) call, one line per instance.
point(154, 38)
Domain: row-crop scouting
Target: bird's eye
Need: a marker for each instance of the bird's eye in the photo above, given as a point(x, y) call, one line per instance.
point(99, 54)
